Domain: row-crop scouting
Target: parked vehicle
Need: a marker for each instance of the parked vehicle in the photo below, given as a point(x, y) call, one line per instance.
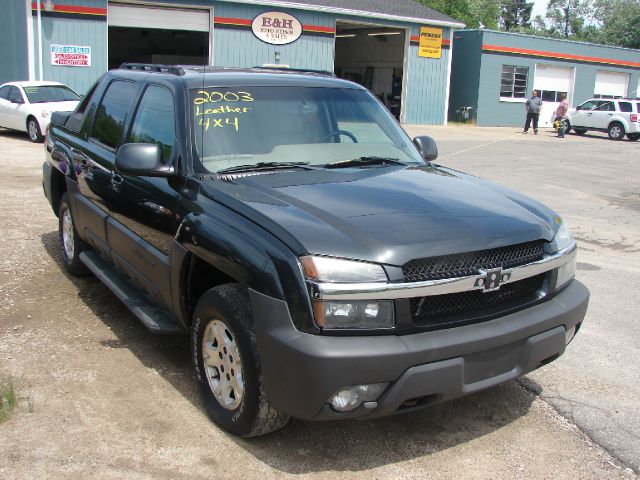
point(27, 106)
point(323, 265)
point(617, 117)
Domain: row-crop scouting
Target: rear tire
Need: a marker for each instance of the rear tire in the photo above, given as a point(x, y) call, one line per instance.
point(634, 137)
point(227, 364)
point(71, 243)
point(616, 131)
point(33, 129)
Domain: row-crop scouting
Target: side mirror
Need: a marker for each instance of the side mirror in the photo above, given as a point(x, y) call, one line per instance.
point(17, 101)
point(427, 147)
point(579, 107)
point(142, 160)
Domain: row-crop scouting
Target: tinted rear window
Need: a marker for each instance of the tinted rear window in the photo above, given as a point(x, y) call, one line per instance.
point(625, 106)
point(112, 112)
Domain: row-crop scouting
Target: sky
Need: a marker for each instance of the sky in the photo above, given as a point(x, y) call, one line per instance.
point(539, 8)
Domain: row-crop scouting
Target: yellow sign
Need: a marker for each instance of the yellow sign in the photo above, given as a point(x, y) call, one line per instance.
point(430, 42)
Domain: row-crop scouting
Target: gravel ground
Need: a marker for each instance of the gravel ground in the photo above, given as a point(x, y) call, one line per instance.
point(101, 397)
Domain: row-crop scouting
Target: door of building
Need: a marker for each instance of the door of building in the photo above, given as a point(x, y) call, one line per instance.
point(552, 82)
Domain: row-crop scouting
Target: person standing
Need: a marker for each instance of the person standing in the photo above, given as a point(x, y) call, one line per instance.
point(533, 106)
point(561, 114)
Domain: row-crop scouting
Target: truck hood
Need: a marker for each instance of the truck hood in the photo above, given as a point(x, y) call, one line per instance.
point(388, 215)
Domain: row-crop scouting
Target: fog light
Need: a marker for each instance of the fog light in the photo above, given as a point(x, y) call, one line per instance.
point(569, 334)
point(349, 398)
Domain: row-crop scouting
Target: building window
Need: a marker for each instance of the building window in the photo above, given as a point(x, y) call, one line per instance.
point(513, 83)
point(598, 95)
point(551, 95)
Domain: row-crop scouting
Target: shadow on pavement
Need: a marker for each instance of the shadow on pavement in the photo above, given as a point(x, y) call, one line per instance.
point(303, 447)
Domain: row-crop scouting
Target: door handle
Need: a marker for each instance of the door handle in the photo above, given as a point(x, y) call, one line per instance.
point(589, 114)
point(609, 114)
point(117, 179)
point(84, 164)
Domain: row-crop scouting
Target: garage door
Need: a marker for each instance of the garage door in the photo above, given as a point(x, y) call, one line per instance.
point(120, 15)
point(610, 84)
point(551, 82)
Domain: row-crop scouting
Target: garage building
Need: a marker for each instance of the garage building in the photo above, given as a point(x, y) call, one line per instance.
point(400, 50)
point(493, 73)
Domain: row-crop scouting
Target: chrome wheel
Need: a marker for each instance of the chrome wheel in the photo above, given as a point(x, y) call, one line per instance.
point(34, 131)
point(222, 363)
point(616, 132)
point(67, 234)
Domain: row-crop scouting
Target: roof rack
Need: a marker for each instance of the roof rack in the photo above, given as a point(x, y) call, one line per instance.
point(151, 67)
point(295, 70)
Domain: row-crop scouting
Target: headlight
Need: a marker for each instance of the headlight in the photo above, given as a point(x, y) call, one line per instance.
point(561, 240)
point(335, 270)
point(353, 314)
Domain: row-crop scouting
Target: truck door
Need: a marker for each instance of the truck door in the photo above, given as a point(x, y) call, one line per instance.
point(94, 159)
point(143, 208)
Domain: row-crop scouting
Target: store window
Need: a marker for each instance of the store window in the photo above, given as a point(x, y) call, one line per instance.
point(513, 83)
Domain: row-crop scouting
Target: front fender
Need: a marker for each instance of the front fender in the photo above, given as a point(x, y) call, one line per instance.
point(250, 255)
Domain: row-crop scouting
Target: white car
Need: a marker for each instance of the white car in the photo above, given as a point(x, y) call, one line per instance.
point(617, 117)
point(27, 106)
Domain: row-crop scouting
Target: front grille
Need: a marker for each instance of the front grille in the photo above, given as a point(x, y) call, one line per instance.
point(462, 265)
point(466, 307)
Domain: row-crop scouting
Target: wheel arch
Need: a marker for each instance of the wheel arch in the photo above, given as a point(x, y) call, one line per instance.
point(218, 250)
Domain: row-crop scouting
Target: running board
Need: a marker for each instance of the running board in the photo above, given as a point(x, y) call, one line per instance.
point(151, 315)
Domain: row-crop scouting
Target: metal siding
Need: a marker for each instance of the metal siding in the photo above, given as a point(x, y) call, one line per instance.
point(427, 85)
point(240, 48)
point(493, 112)
point(13, 25)
point(62, 31)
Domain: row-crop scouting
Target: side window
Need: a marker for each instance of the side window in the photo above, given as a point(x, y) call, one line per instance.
point(155, 120)
point(112, 112)
point(15, 96)
point(625, 106)
point(76, 119)
point(4, 92)
point(590, 105)
point(605, 107)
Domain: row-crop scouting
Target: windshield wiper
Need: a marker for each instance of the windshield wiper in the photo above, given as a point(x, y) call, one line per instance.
point(364, 161)
point(263, 166)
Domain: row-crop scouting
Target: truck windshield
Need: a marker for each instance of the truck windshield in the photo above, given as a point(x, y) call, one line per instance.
point(318, 126)
point(50, 93)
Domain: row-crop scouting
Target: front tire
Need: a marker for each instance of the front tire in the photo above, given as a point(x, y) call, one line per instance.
point(616, 131)
point(634, 137)
point(33, 129)
point(71, 243)
point(227, 364)
point(579, 131)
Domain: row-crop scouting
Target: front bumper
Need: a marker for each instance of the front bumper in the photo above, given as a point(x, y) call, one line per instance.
point(301, 371)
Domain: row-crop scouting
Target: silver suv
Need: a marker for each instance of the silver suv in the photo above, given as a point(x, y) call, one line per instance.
point(617, 117)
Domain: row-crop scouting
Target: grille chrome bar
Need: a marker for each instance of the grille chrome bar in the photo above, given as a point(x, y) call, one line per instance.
point(391, 291)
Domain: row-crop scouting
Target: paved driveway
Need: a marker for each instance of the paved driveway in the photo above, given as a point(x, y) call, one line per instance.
point(101, 397)
point(594, 183)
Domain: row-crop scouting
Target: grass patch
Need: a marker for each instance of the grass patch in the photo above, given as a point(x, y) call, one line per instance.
point(7, 401)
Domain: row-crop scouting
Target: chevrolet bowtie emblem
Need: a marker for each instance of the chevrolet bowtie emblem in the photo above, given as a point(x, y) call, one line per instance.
point(492, 280)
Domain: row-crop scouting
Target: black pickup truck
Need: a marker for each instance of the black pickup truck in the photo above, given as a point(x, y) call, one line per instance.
point(323, 265)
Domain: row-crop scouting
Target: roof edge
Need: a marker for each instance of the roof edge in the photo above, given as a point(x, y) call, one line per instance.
point(347, 11)
point(564, 40)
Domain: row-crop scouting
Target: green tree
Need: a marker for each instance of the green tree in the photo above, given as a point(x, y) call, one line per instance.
point(515, 15)
point(473, 13)
point(567, 18)
point(618, 23)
